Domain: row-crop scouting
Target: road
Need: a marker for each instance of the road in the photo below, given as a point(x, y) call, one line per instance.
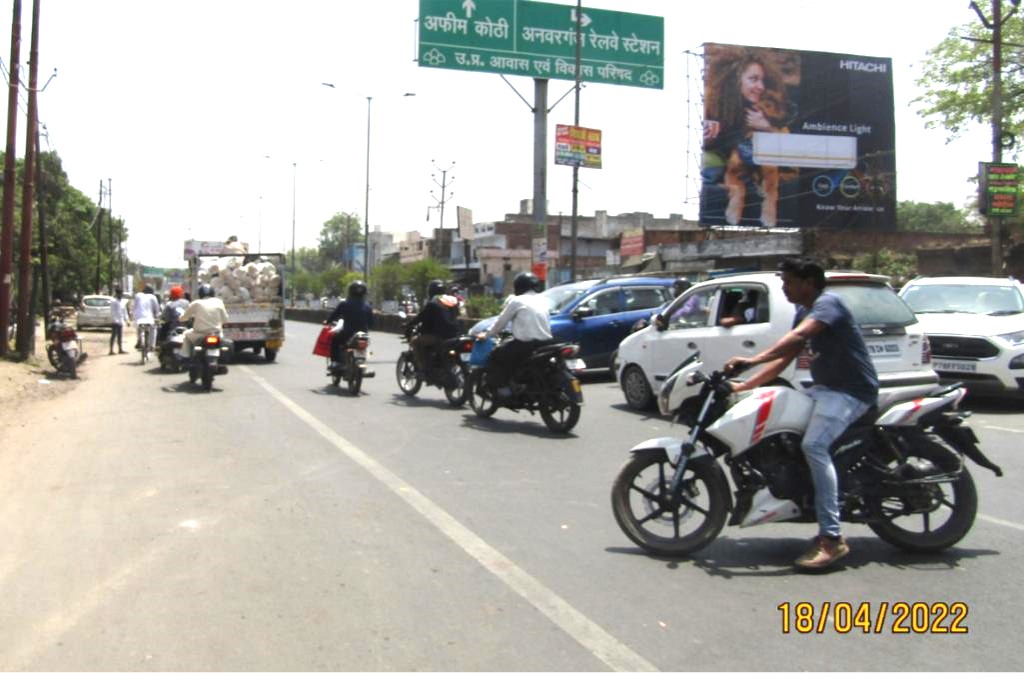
point(277, 523)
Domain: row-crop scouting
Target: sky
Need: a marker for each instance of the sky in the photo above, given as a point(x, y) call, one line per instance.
point(197, 110)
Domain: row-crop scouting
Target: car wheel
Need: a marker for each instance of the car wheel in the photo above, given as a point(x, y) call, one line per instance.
point(636, 389)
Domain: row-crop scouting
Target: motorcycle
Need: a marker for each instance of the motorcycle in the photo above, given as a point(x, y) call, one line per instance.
point(445, 368)
point(65, 348)
point(169, 349)
point(204, 364)
point(545, 382)
point(352, 367)
point(900, 466)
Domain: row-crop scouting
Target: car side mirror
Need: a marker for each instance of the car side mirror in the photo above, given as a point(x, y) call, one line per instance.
point(660, 322)
point(582, 312)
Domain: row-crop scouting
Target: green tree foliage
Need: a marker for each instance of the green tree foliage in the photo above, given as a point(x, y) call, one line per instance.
point(386, 281)
point(483, 306)
point(419, 274)
point(957, 75)
point(337, 236)
point(900, 266)
point(939, 217)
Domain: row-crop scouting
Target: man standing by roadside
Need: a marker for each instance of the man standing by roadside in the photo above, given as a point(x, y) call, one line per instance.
point(845, 386)
point(118, 318)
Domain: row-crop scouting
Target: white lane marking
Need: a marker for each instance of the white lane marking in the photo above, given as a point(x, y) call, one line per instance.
point(996, 427)
point(592, 637)
point(1001, 522)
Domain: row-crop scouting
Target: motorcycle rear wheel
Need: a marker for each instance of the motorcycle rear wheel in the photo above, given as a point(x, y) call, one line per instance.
point(193, 375)
point(560, 411)
point(639, 495)
point(208, 381)
point(53, 355)
point(958, 499)
point(480, 396)
point(457, 391)
point(355, 379)
point(405, 371)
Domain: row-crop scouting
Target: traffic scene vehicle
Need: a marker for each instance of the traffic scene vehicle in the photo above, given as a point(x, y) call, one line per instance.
point(446, 368)
point(976, 329)
point(94, 311)
point(252, 288)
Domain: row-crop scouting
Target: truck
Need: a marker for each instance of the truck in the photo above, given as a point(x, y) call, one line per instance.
point(252, 287)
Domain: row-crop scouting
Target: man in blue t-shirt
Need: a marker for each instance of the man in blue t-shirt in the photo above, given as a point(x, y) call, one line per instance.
point(845, 386)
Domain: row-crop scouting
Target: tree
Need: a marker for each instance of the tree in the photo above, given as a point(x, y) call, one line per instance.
point(338, 235)
point(957, 75)
point(386, 281)
point(942, 217)
point(419, 274)
point(900, 266)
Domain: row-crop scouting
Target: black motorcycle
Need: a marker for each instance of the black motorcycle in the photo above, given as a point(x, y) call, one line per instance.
point(545, 382)
point(352, 367)
point(168, 348)
point(205, 364)
point(64, 350)
point(445, 368)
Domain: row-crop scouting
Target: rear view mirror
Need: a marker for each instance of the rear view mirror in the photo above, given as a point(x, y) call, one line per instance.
point(582, 312)
point(660, 322)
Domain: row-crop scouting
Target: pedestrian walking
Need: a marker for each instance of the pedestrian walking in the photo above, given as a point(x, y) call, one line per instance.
point(118, 318)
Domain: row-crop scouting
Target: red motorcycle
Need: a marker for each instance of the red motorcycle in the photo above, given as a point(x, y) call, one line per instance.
point(65, 348)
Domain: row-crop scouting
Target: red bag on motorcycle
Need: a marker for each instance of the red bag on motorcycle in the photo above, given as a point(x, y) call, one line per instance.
point(323, 343)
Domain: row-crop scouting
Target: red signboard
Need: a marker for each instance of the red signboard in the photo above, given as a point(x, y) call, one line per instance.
point(632, 243)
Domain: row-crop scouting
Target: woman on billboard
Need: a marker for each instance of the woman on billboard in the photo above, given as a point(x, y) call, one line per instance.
point(744, 94)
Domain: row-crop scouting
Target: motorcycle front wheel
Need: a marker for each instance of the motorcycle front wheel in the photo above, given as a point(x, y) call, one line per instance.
point(560, 411)
point(644, 511)
point(457, 388)
point(927, 517)
point(53, 355)
point(405, 371)
point(481, 399)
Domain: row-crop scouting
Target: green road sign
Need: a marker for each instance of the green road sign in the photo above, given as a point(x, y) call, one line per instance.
point(538, 39)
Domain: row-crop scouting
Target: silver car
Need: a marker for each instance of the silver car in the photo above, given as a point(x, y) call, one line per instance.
point(95, 311)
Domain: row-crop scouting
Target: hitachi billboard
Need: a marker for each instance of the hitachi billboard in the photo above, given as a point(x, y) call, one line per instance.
point(797, 139)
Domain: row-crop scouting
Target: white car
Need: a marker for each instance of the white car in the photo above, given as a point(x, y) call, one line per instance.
point(95, 311)
point(755, 302)
point(976, 328)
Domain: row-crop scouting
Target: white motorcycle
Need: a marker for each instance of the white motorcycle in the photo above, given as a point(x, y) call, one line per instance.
point(900, 467)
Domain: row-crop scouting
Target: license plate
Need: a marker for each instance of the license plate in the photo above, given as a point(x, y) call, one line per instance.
point(954, 366)
point(883, 348)
point(69, 346)
point(464, 357)
point(576, 365)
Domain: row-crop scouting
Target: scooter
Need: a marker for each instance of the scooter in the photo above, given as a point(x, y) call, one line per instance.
point(65, 348)
point(169, 350)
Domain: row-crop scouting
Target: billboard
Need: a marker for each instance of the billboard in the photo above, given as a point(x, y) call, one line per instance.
point(577, 146)
point(797, 139)
point(999, 185)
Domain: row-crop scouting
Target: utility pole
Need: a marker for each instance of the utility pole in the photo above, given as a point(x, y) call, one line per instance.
point(44, 253)
point(996, 26)
point(110, 236)
point(576, 168)
point(99, 247)
point(7, 235)
point(26, 321)
point(445, 197)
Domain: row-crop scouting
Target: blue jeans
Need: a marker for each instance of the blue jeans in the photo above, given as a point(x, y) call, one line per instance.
point(833, 413)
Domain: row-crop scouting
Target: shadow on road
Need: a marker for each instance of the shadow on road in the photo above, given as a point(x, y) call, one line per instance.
point(730, 558)
point(500, 425)
point(648, 415)
point(401, 400)
point(993, 405)
point(186, 387)
point(335, 391)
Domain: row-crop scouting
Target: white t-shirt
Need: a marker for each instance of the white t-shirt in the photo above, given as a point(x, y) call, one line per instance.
point(146, 309)
point(208, 315)
point(527, 316)
point(118, 311)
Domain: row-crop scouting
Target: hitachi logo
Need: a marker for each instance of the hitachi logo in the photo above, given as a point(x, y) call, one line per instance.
point(862, 66)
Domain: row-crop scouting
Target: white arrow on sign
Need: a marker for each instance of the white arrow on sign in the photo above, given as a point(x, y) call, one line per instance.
point(469, 6)
point(584, 19)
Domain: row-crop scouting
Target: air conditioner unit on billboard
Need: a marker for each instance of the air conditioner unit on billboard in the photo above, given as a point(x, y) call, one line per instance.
point(801, 150)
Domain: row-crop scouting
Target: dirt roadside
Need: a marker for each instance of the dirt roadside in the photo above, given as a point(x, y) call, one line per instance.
point(24, 384)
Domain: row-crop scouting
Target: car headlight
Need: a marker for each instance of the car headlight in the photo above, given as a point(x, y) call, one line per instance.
point(1013, 338)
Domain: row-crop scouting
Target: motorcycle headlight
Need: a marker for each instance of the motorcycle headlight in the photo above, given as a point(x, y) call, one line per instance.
point(1013, 338)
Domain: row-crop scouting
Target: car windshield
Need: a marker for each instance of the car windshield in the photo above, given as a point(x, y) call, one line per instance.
point(874, 304)
point(983, 299)
point(96, 302)
point(560, 297)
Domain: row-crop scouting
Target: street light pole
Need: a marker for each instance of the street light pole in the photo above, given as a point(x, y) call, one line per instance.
point(366, 205)
point(293, 233)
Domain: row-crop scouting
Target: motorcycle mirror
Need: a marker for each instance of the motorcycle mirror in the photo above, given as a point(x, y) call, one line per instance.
point(660, 322)
point(402, 314)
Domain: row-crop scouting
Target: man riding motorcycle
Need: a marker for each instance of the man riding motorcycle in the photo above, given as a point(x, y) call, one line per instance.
point(438, 321)
point(356, 313)
point(527, 314)
point(208, 316)
point(845, 386)
point(172, 312)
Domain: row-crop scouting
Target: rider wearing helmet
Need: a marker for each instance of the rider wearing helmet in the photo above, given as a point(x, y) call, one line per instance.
point(356, 313)
point(208, 316)
point(438, 321)
point(526, 315)
point(172, 312)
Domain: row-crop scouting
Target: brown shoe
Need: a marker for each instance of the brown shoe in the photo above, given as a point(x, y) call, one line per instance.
point(824, 552)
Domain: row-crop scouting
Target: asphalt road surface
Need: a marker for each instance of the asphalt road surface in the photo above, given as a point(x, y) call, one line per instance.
point(279, 523)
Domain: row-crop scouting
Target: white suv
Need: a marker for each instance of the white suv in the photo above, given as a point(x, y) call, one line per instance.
point(976, 327)
point(755, 302)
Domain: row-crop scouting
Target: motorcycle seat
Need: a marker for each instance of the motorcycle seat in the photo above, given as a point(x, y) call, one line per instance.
point(867, 418)
point(547, 350)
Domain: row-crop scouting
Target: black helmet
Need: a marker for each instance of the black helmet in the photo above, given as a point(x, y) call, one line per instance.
point(680, 286)
point(205, 290)
point(525, 282)
point(148, 289)
point(356, 289)
point(435, 287)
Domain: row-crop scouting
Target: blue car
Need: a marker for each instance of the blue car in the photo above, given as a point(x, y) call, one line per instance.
point(598, 314)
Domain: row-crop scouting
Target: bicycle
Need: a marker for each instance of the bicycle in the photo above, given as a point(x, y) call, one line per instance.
point(146, 339)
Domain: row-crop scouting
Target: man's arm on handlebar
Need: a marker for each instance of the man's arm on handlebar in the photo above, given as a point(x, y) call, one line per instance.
point(779, 355)
point(769, 372)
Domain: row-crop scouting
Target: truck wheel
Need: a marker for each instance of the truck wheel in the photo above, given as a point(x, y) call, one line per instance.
point(270, 354)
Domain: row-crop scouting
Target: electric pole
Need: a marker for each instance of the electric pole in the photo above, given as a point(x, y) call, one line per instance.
point(444, 188)
point(26, 321)
point(7, 234)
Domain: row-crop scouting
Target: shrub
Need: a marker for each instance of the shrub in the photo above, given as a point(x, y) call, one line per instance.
point(483, 306)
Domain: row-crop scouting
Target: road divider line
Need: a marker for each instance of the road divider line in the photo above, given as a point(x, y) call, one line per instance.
point(1001, 522)
point(588, 634)
point(996, 427)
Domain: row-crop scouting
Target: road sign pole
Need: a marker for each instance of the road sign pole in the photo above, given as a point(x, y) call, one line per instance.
point(540, 157)
point(576, 168)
